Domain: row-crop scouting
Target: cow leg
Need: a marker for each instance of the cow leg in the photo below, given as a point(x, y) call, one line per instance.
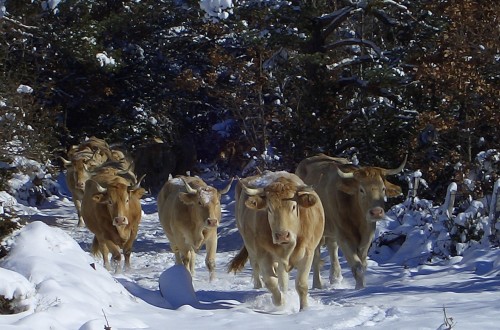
point(257, 283)
point(126, 254)
point(116, 256)
point(357, 269)
point(175, 250)
point(317, 264)
point(184, 255)
point(78, 206)
point(303, 269)
point(187, 257)
point(253, 257)
point(211, 247)
point(103, 248)
point(127, 249)
point(333, 251)
point(283, 277)
point(192, 259)
point(363, 250)
point(271, 281)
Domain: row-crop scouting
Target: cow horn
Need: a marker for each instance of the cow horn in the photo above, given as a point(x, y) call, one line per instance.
point(127, 171)
point(226, 190)
point(100, 188)
point(189, 189)
point(252, 191)
point(397, 170)
point(66, 163)
point(138, 184)
point(345, 175)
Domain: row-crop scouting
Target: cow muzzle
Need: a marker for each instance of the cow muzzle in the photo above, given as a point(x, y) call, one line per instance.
point(210, 222)
point(80, 185)
point(282, 237)
point(376, 213)
point(120, 221)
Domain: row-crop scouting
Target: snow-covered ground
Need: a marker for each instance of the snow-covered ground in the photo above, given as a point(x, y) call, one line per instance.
point(49, 274)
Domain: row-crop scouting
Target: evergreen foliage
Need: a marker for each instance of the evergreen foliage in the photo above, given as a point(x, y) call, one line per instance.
point(367, 79)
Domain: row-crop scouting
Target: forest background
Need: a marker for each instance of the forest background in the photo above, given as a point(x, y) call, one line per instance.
point(366, 80)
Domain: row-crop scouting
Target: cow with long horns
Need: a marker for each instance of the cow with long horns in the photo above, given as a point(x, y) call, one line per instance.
point(281, 221)
point(354, 199)
point(190, 213)
point(111, 210)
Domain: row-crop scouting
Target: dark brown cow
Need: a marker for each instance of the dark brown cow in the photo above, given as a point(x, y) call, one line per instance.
point(111, 210)
point(190, 212)
point(161, 160)
point(281, 221)
point(353, 198)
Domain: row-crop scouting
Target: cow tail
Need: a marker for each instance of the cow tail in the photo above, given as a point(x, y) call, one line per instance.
point(95, 247)
point(238, 262)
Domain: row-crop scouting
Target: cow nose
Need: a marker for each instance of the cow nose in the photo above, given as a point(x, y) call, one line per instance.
point(377, 212)
point(212, 222)
point(80, 185)
point(120, 221)
point(282, 237)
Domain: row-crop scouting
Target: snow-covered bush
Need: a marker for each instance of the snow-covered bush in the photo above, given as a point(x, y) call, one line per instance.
point(31, 183)
point(427, 232)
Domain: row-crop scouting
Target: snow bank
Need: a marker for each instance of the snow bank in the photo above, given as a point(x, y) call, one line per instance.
point(47, 273)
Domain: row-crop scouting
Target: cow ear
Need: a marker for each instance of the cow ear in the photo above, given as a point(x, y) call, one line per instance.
point(255, 202)
point(188, 199)
point(307, 199)
point(347, 186)
point(138, 192)
point(98, 198)
point(392, 190)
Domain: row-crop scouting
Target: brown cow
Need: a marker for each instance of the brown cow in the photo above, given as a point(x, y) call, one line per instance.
point(77, 173)
point(112, 211)
point(161, 160)
point(190, 212)
point(82, 160)
point(353, 198)
point(281, 221)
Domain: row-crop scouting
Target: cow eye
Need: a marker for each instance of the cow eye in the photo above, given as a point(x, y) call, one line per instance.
point(361, 190)
point(110, 202)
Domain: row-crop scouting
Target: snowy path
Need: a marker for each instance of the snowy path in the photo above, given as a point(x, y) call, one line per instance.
point(395, 298)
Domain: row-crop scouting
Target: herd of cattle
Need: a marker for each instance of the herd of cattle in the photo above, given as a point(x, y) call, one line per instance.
point(283, 218)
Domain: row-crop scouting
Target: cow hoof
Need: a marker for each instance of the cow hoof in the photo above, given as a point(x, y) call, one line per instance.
point(336, 280)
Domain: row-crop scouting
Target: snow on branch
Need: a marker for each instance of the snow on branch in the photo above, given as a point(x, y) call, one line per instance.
point(10, 20)
point(354, 41)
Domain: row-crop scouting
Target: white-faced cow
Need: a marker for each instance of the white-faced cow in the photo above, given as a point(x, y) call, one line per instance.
point(112, 211)
point(353, 198)
point(281, 221)
point(190, 212)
